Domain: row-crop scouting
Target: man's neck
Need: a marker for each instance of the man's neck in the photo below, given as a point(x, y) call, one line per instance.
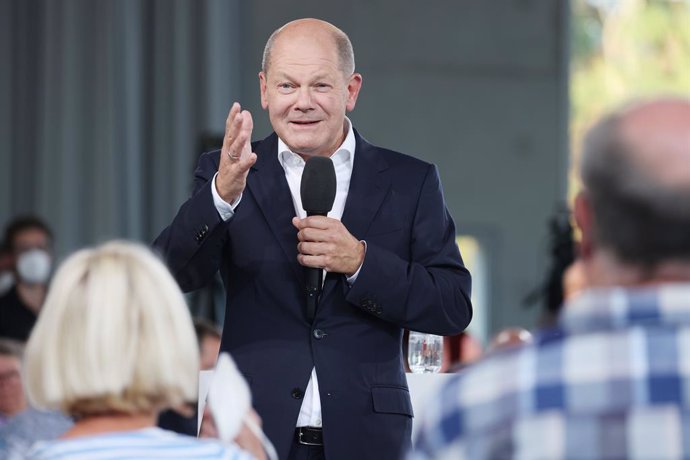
point(604, 269)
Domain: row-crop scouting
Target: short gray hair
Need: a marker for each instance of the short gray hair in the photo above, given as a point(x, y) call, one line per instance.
point(638, 217)
point(346, 54)
point(114, 335)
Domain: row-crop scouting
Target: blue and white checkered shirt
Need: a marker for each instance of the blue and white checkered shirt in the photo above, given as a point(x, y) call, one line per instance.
point(613, 381)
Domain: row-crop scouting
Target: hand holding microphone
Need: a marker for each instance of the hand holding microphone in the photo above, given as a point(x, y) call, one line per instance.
point(324, 243)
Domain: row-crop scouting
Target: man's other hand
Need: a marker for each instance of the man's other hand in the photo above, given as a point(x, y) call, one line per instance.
point(326, 243)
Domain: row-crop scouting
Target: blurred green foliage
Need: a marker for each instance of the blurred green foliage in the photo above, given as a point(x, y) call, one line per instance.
point(623, 50)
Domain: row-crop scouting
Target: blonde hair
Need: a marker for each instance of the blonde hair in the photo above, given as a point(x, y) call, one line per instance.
point(114, 335)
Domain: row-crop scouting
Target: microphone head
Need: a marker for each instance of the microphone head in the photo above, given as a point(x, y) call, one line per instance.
point(318, 186)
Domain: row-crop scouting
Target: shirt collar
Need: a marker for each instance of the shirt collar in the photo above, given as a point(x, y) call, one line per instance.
point(618, 307)
point(345, 154)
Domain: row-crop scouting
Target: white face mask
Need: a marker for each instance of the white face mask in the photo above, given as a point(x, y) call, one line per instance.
point(33, 266)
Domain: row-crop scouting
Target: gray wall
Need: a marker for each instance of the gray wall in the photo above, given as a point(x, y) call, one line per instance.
point(102, 105)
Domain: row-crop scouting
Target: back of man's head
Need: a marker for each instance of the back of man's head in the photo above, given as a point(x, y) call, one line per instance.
point(636, 174)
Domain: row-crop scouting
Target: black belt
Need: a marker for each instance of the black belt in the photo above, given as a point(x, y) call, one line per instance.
point(309, 436)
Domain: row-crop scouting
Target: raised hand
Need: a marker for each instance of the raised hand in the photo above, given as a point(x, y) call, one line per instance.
point(236, 156)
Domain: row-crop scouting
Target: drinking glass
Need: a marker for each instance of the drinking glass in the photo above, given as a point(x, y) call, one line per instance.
point(425, 352)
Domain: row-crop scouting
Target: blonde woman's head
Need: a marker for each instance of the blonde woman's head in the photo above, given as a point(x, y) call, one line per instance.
point(114, 336)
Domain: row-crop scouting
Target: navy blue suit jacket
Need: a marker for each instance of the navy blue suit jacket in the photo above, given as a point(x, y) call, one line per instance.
point(412, 277)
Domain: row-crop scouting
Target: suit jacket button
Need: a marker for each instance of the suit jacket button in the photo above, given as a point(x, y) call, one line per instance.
point(297, 393)
point(319, 334)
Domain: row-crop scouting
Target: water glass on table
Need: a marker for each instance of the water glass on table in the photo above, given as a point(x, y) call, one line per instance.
point(425, 352)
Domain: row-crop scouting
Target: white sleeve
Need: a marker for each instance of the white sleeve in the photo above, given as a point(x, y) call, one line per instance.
point(225, 209)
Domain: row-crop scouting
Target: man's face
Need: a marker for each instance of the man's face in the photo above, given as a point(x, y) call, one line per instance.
point(12, 400)
point(307, 95)
point(30, 238)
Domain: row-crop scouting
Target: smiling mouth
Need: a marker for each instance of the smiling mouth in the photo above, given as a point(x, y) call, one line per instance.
point(305, 123)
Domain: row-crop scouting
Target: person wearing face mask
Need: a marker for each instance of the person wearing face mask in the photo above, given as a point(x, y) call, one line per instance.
point(6, 269)
point(29, 241)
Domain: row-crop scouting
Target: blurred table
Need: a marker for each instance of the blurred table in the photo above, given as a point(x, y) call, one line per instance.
point(423, 387)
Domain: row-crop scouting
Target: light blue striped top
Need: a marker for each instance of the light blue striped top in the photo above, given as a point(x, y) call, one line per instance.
point(130, 445)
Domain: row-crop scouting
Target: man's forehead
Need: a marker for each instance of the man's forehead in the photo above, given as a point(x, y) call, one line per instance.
point(314, 72)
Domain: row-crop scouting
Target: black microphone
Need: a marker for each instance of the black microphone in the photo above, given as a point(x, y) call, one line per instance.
point(317, 191)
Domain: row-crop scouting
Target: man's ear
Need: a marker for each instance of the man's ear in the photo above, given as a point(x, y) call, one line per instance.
point(262, 88)
point(353, 87)
point(584, 218)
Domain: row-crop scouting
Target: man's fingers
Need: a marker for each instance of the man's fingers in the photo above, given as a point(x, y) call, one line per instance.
point(234, 110)
point(246, 162)
point(314, 249)
point(316, 222)
point(247, 121)
point(229, 125)
point(312, 261)
point(238, 132)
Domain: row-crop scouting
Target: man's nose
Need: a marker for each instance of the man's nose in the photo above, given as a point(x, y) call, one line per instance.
point(304, 101)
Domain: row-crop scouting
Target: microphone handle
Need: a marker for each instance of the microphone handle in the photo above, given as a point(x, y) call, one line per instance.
point(313, 278)
point(313, 282)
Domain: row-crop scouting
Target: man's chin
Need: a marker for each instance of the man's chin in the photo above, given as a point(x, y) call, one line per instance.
point(302, 147)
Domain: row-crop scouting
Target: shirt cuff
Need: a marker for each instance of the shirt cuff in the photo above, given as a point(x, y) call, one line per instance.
point(225, 210)
point(351, 279)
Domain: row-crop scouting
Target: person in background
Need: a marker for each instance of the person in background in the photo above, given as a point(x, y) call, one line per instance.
point(6, 269)
point(208, 336)
point(20, 424)
point(113, 346)
point(30, 243)
point(611, 382)
point(12, 398)
point(551, 292)
point(183, 419)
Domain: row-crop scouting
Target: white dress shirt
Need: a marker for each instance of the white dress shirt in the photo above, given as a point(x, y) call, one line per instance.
point(343, 159)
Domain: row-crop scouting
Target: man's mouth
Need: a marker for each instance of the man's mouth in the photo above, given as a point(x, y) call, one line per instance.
point(304, 122)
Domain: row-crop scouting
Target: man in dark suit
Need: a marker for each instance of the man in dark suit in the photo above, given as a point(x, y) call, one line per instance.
point(335, 385)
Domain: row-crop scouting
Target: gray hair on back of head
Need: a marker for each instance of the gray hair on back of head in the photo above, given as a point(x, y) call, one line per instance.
point(642, 220)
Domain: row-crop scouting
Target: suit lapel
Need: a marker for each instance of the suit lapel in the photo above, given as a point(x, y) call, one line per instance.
point(368, 187)
point(267, 184)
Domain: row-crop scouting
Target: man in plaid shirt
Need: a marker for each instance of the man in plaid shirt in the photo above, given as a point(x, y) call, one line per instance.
point(613, 380)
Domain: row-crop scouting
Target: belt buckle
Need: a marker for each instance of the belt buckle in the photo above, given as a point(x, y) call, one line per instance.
point(305, 443)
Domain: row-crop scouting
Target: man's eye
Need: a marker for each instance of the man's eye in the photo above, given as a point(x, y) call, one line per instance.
point(285, 87)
